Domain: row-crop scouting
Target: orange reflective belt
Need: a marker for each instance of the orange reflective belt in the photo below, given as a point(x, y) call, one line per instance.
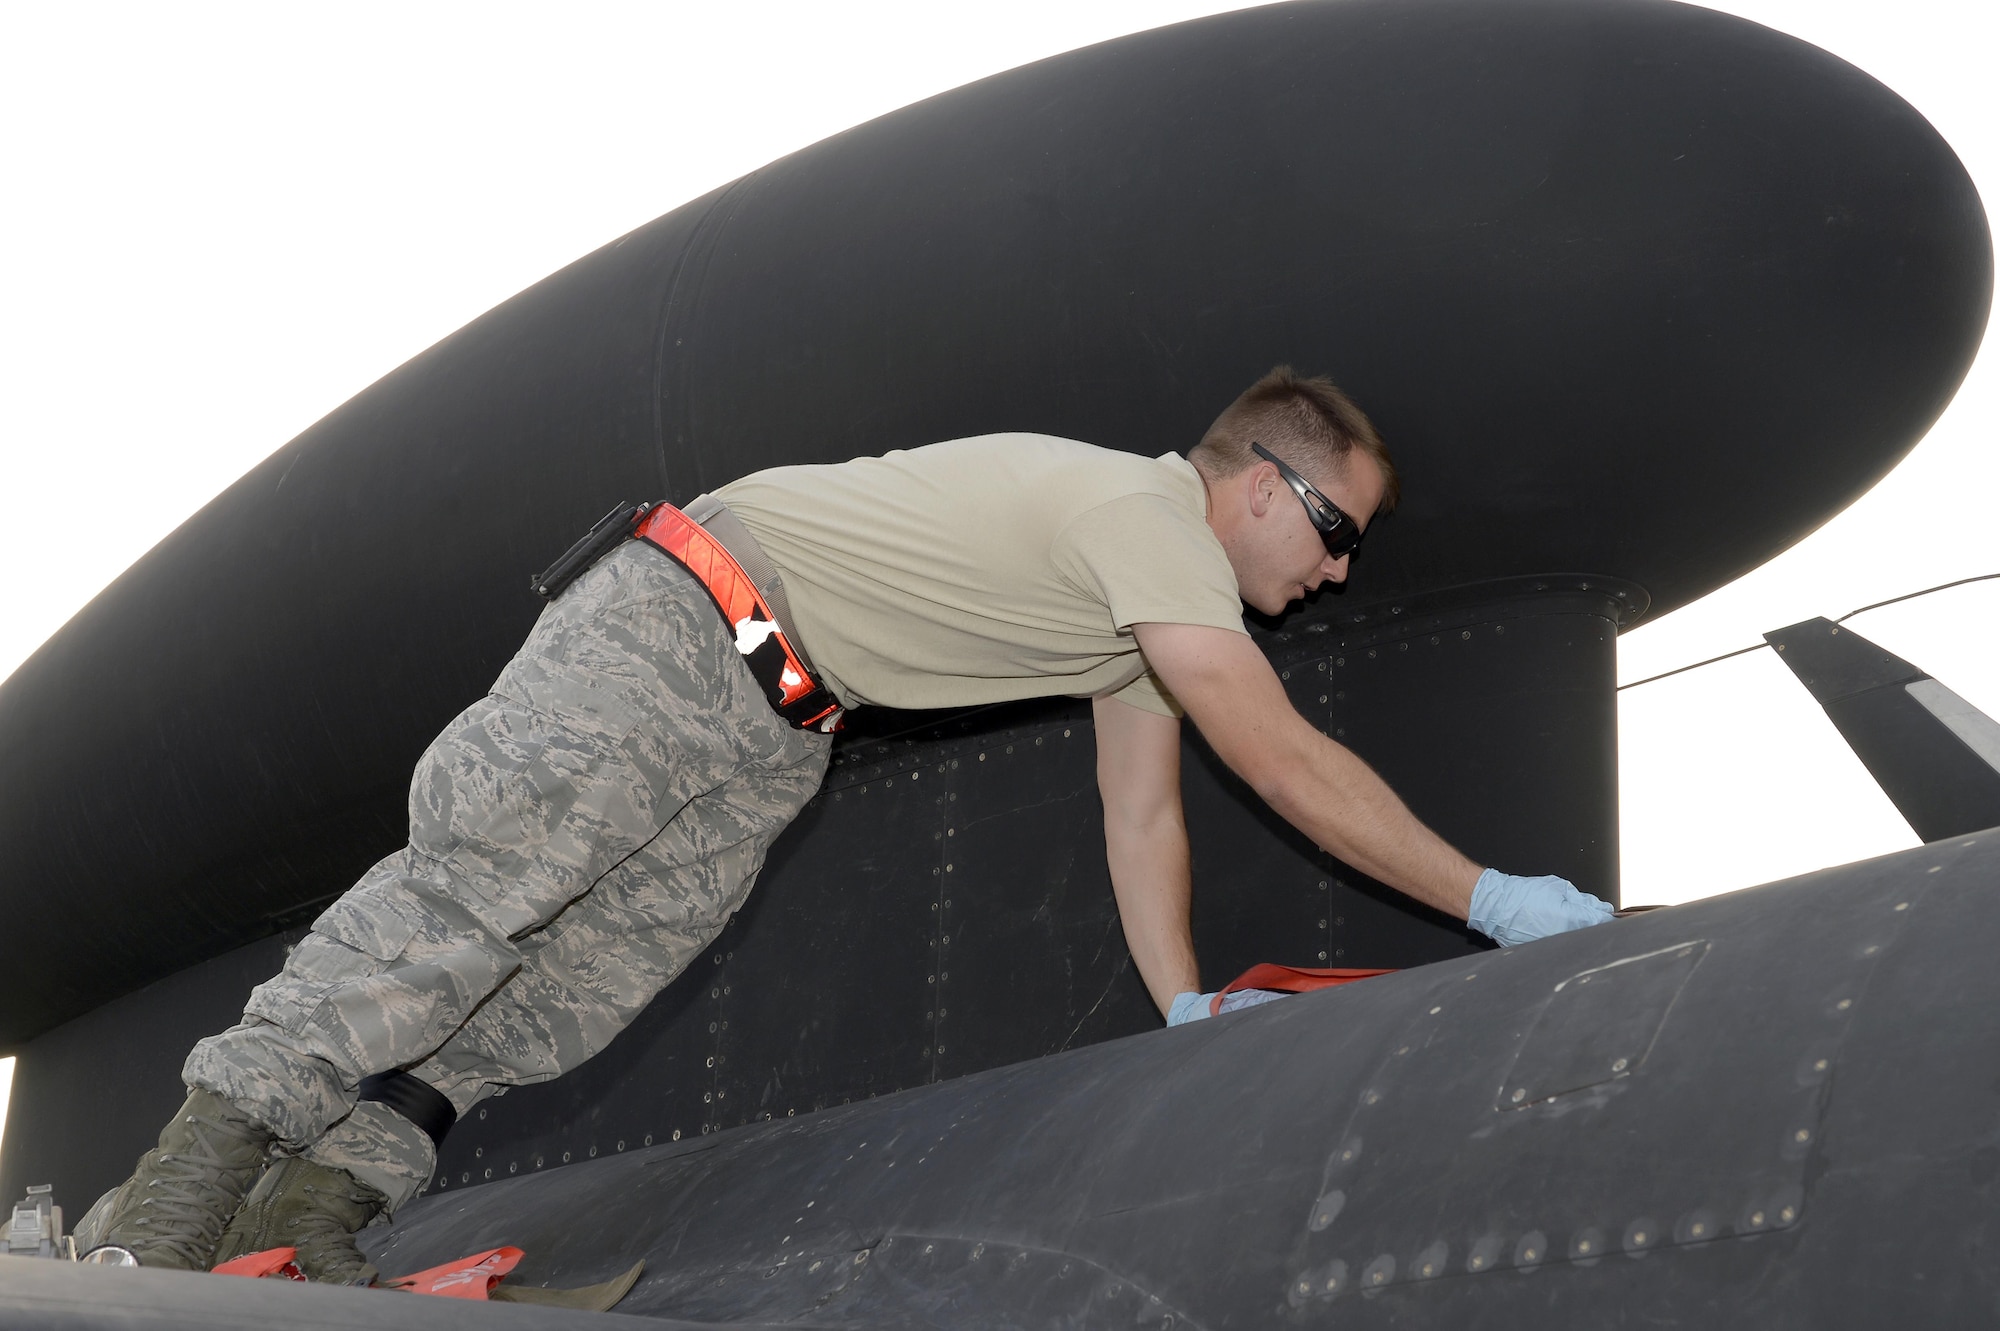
point(777, 665)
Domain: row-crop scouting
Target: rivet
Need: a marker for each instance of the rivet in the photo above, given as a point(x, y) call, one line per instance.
point(1788, 1214)
point(1618, 1066)
point(1436, 1010)
point(1934, 868)
point(1756, 1217)
point(1802, 1136)
point(1697, 1229)
point(1520, 1094)
point(1902, 905)
point(489, 1173)
point(814, 1267)
point(1870, 950)
point(1328, 1208)
point(1322, 955)
point(1372, 1097)
point(1844, 1004)
point(648, 1141)
point(1820, 1065)
point(861, 1257)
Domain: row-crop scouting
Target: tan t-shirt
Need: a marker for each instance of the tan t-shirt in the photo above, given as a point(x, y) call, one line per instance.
point(989, 569)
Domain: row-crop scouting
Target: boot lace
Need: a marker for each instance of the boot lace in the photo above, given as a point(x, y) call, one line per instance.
point(190, 1199)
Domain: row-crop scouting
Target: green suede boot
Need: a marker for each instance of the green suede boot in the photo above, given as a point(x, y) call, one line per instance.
point(172, 1210)
point(310, 1207)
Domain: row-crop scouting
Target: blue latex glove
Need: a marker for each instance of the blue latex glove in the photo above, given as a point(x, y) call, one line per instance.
point(1193, 1007)
point(1512, 910)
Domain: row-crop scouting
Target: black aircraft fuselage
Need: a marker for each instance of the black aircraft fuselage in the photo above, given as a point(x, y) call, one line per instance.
point(1638, 293)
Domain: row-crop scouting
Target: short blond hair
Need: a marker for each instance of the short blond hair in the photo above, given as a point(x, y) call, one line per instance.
point(1309, 423)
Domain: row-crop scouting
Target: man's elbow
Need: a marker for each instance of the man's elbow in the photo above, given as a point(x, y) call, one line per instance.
point(1277, 767)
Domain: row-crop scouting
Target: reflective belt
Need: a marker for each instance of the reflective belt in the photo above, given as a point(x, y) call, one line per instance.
point(722, 555)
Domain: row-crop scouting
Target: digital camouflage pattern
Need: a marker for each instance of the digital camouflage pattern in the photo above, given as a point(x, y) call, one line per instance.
point(576, 838)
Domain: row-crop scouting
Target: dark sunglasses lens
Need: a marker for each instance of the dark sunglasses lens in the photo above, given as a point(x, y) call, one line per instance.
point(1343, 541)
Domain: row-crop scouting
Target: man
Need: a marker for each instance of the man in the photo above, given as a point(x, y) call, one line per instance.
point(579, 835)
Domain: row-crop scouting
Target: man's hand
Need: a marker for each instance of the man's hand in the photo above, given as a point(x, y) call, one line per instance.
point(1315, 784)
point(1512, 910)
point(1193, 1007)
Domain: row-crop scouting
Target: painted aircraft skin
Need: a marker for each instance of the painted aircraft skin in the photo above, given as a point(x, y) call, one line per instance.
point(916, 1082)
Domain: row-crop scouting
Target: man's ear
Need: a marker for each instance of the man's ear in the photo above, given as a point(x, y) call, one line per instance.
point(1264, 485)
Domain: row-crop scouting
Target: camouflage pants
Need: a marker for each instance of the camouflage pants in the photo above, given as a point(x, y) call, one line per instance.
point(576, 838)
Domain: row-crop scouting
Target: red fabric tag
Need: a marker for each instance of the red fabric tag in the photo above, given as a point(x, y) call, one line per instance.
point(1288, 980)
point(276, 1262)
point(467, 1278)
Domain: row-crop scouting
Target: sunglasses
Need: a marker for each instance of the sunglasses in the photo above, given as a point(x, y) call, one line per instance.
point(1338, 532)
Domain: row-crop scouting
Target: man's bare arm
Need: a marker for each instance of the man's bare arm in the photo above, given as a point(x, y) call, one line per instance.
point(1145, 841)
point(1314, 783)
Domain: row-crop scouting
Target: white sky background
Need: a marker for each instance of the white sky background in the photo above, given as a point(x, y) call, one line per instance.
point(222, 221)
